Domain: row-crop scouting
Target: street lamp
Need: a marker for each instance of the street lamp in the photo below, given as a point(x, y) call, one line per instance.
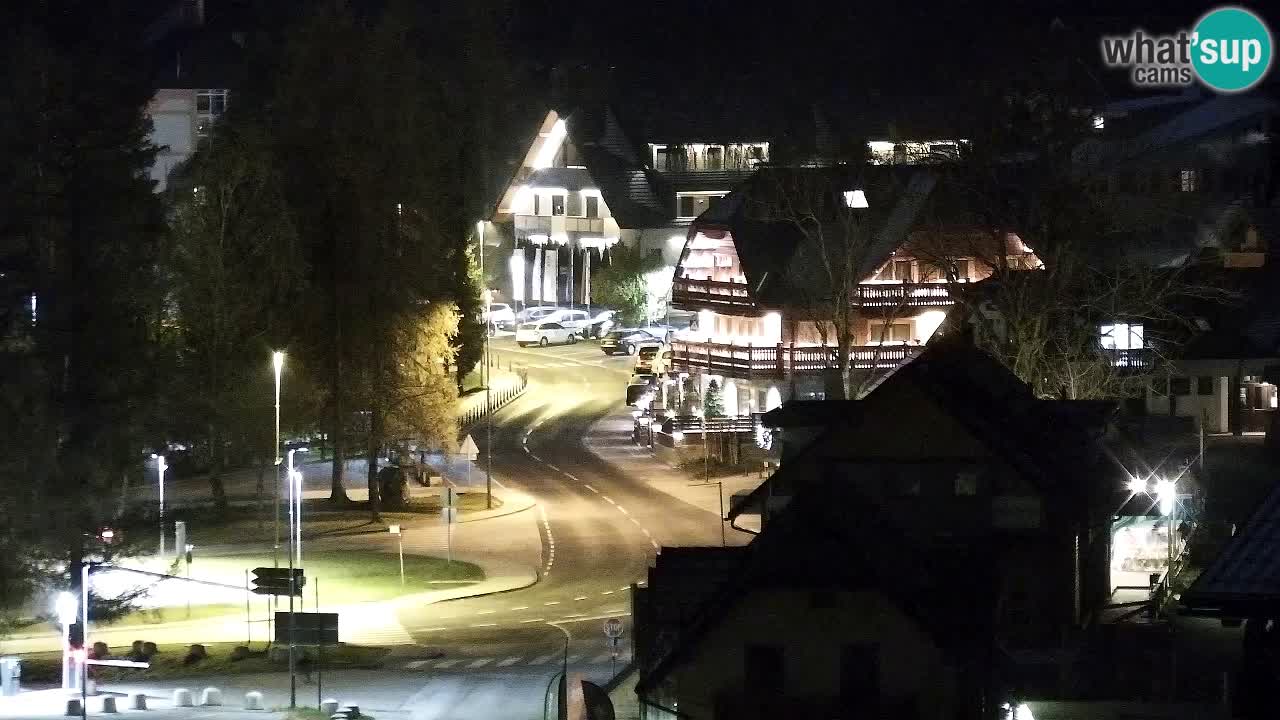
point(65, 607)
point(277, 362)
point(1167, 494)
point(487, 371)
point(161, 466)
point(395, 530)
point(706, 469)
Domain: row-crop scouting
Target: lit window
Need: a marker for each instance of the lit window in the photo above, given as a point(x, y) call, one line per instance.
point(1099, 122)
point(1187, 180)
point(1121, 336)
point(557, 204)
point(210, 105)
point(593, 206)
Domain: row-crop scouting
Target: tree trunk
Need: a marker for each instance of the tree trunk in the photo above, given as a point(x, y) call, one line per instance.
point(844, 343)
point(337, 491)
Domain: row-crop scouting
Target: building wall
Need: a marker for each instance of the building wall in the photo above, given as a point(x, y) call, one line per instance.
point(811, 631)
point(173, 118)
point(1209, 409)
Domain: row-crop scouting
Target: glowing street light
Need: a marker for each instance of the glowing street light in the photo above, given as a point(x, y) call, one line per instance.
point(1137, 486)
point(277, 362)
point(295, 504)
point(66, 607)
point(1167, 494)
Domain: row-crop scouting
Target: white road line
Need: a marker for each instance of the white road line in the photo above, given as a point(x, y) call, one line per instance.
point(623, 510)
point(571, 477)
point(635, 522)
point(646, 532)
point(591, 489)
point(520, 607)
point(625, 588)
point(416, 664)
point(654, 544)
point(607, 592)
point(574, 615)
point(552, 602)
point(534, 620)
point(608, 500)
point(479, 663)
point(543, 659)
point(508, 662)
point(485, 625)
point(553, 467)
point(434, 629)
point(581, 597)
point(486, 612)
point(445, 664)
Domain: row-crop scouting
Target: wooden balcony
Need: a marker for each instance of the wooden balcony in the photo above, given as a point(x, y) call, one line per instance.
point(732, 298)
point(1137, 360)
point(729, 298)
point(777, 361)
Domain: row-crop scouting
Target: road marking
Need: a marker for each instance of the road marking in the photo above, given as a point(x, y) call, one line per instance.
point(485, 625)
point(446, 664)
point(591, 489)
point(646, 532)
point(552, 602)
point(508, 662)
point(654, 543)
point(534, 620)
point(478, 663)
point(625, 588)
point(486, 612)
point(607, 592)
point(574, 615)
point(553, 467)
point(623, 510)
point(581, 597)
point(636, 522)
point(520, 607)
point(571, 476)
point(434, 629)
point(608, 500)
point(416, 664)
point(542, 659)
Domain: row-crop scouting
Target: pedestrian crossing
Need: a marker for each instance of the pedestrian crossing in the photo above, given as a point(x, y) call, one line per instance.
point(554, 658)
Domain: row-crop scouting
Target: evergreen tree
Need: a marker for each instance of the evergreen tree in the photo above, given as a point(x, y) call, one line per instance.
point(714, 405)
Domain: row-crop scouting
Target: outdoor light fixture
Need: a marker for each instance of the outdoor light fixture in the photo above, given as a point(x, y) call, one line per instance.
point(856, 199)
point(161, 466)
point(1137, 486)
point(1167, 494)
point(65, 607)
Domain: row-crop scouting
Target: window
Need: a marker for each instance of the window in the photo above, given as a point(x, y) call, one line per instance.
point(896, 270)
point(715, 158)
point(537, 204)
point(932, 271)
point(763, 669)
point(1179, 386)
point(210, 105)
point(890, 332)
point(557, 204)
point(593, 206)
point(1121, 336)
point(1187, 180)
point(966, 482)
point(1204, 385)
point(1099, 122)
point(661, 159)
point(686, 206)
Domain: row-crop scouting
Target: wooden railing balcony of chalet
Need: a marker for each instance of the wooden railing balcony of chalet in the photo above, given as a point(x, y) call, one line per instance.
point(777, 361)
point(732, 296)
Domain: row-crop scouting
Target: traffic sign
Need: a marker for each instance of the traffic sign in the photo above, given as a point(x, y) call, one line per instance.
point(309, 628)
point(275, 581)
point(613, 628)
point(469, 448)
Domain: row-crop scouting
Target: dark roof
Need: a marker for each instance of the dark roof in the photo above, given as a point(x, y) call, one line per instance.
point(197, 58)
point(823, 545)
point(569, 178)
point(1245, 577)
point(1246, 324)
point(810, 413)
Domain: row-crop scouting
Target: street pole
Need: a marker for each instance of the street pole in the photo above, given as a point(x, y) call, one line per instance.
point(487, 372)
point(720, 491)
point(161, 466)
point(293, 679)
point(277, 362)
point(319, 653)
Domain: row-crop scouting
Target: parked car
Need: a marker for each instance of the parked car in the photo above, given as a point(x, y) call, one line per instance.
point(626, 341)
point(530, 314)
point(545, 332)
point(647, 356)
point(576, 320)
point(603, 322)
point(500, 315)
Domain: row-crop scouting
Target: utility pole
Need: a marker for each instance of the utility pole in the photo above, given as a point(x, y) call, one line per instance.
point(487, 372)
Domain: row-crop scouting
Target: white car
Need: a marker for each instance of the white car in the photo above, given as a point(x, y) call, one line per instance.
point(500, 314)
point(577, 320)
point(544, 333)
point(648, 358)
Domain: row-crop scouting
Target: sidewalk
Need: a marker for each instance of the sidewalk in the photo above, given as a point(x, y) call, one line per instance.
point(610, 440)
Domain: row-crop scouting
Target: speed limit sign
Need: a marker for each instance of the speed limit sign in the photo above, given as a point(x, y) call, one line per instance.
point(613, 628)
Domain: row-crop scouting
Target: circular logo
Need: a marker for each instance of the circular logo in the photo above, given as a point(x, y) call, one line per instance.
point(1231, 49)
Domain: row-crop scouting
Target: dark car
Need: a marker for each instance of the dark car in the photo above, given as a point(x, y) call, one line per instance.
point(627, 340)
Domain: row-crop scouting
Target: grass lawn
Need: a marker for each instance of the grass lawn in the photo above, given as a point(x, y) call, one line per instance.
point(350, 576)
point(156, 616)
point(168, 663)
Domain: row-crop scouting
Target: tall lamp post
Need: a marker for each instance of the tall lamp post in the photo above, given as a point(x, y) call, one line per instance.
point(277, 362)
point(161, 466)
point(295, 504)
point(66, 608)
point(1167, 494)
point(487, 372)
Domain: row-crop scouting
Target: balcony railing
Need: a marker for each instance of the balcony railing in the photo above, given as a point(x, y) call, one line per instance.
point(734, 297)
point(776, 361)
point(550, 225)
point(726, 297)
point(1132, 359)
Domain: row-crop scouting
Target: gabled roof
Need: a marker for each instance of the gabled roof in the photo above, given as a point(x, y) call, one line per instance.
point(824, 545)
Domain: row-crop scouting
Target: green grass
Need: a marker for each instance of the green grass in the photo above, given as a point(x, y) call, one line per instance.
point(352, 577)
point(168, 663)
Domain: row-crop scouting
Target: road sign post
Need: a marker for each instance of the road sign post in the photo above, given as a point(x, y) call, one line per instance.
point(276, 581)
point(395, 530)
point(449, 514)
point(613, 629)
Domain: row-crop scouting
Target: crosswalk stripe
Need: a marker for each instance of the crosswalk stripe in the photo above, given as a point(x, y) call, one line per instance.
point(542, 659)
point(479, 663)
point(417, 664)
point(508, 662)
point(445, 664)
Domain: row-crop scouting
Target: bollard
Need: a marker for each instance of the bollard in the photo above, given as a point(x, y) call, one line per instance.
point(109, 704)
point(182, 698)
point(211, 696)
point(73, 707)
point(137, 701)
point(253, 700)
point(328, 706)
